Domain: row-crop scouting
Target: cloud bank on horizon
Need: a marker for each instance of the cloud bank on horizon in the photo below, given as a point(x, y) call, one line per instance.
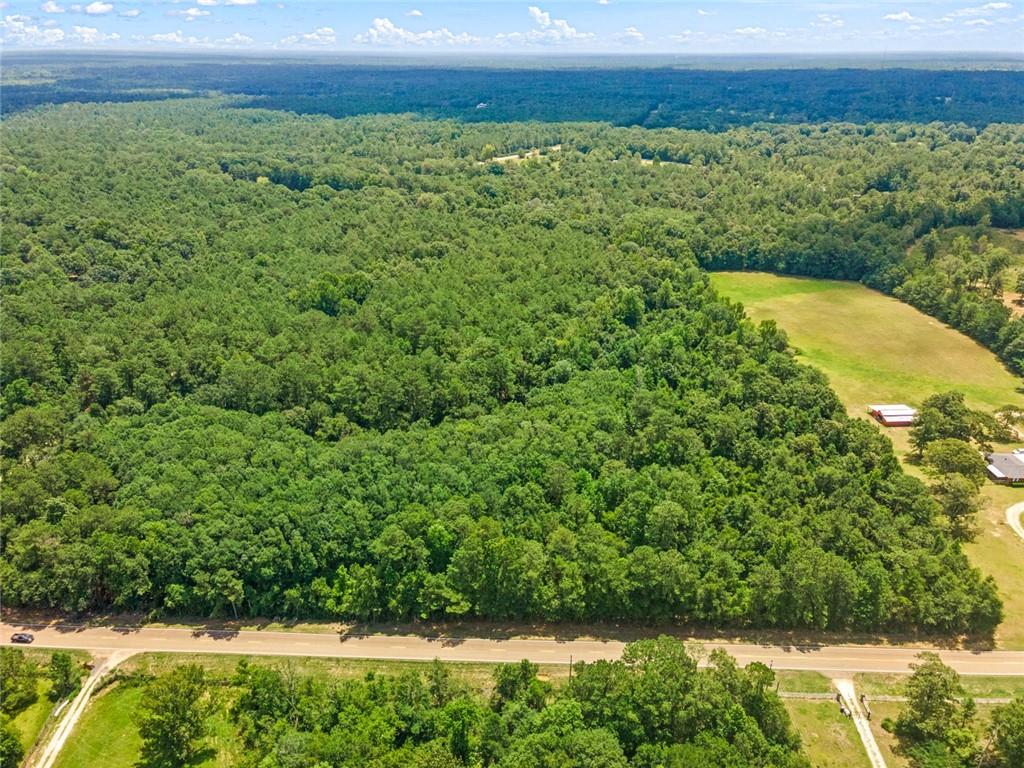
point(502, 26)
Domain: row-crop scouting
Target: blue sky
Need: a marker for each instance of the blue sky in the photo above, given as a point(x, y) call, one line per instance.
point(501, 26)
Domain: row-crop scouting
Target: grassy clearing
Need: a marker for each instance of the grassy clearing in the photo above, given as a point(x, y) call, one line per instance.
point(998, 551)
point(873, 348)
point(803, 682)
point(108, 733)
point(830, 740)
point(978, 686)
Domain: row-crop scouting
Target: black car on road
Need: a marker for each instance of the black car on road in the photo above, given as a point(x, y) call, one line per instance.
point(22, 637)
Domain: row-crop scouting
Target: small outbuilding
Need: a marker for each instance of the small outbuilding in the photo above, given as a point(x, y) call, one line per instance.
point(1006, 468)
point(898, 415)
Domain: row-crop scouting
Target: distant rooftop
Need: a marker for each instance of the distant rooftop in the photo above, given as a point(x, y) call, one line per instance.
point(1008, 466)
point(897, 409)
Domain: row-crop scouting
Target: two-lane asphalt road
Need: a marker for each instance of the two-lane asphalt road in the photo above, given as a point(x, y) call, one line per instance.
point(830, 659)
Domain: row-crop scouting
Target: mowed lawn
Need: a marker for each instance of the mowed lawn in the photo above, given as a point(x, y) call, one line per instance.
point(998, 551)
point(829, 739)
point(876, 349)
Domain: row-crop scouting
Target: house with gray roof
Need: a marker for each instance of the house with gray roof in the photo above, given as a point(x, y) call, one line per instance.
point(1006, 468)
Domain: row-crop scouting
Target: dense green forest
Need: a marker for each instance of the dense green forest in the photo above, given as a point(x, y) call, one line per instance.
point(654, 92)
point(265, 364)
point(653, 707)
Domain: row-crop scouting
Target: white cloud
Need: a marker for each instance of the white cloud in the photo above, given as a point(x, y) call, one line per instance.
point(206, 2)
point(414, 12)
point(98, 9)
point(978, 22)
point(319, 36)
point(130, 13)
point(901, 16)
point(631, 35)
point(751, 31)
point(168, 37)
point(237, 39)
point(978, 10)
point(987, 9)
point(548, 30)
point(51, 7)
point(828, 20)
point(702, 12)
point(604, 2)
point(19, 30)
point(240, 2)
point(386, 32)
point(91, 35)
point(174, 37)
point(190, 14)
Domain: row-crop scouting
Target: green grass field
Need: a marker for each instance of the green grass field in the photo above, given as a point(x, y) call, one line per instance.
point(30, 721)
point(876, 349)
point(829, 739)
point(803, 682)
point(108, 733)
point(998, 551)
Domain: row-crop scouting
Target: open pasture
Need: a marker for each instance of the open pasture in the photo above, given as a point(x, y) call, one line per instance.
point(874, 348)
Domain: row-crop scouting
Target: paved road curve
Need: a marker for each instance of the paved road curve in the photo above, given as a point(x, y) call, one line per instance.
point(830, 659)
point(1014, 519)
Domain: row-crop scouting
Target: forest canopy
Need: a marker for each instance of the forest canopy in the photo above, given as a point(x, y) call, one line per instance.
point(266, 364)
point(707, 93)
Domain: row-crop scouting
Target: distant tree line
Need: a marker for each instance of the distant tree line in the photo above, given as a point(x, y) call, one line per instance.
point(644, 95)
